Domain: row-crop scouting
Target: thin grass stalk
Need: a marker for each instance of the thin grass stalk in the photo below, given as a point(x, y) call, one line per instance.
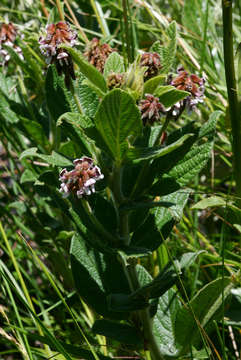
point(100, 18)
point(77, 24)
point(131, 32)
point(18, 317)
point(232, 92)
point(55, 287)
point(203, 53)
point(21, 280)
point(60, 10)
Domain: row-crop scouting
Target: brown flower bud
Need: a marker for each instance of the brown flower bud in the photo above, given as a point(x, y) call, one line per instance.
point(97, 53)
point(153, 63)
point(151, 109)
point(57, 34)
point(8, 34)
point(190, 83)
point(115, 80)
point(81, 180)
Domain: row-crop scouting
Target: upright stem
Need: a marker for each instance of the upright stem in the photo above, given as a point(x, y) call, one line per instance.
point(232, 91)
point(60, 10)
point(126, 29)
point(130, 269)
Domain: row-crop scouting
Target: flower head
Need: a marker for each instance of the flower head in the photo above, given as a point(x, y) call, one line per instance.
point(81, 180)
point(97, 53)
point(115, 80)
point(153, 63)
point(190, 83)
point(151, 109)
point(57, 34)
point(8, 34)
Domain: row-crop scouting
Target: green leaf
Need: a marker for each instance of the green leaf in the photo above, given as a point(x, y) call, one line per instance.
point(54, 159)
point(74, 126)
point(8, 87)
point(169, 95)
point(88, 70)
point(75, 119)
point(139, 154)
point(6, 114)
point(88, 98)
point(29, 65)
point(166, 278)
point(164, 323)
point(123, 333)
point(151, 84)
point(35, 132)
point(28, 175)
point(56, 94)
point(205, 306)
point(118, 121)
point(103, 274)
point(29, 152)
point(167, 52)
point(212, 201)
point(126, 303)
point(189, 258)
point(198, 155)
point(33, 66)
point(164, 186)
point(114, 64)
point(159, 223)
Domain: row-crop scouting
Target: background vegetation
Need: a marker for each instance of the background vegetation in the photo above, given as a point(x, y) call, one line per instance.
point(41, 314)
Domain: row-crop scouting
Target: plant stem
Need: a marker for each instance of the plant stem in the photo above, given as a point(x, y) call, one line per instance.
point(232, 92)
point(60, 10)
point(126, 30)
point(95, 221)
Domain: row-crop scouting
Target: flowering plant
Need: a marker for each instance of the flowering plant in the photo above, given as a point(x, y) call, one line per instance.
point(114, 165)
point(119, 124)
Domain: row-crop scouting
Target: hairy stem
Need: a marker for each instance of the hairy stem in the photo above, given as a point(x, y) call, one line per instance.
point(232, 92)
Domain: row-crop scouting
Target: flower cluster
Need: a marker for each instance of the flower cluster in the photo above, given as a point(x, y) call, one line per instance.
point(151, 109)
point(8, 34)
point(81, 180)
point(190, 83)
point(115, 80)
point(153, 63)
point(57, 34)
point(97, 53)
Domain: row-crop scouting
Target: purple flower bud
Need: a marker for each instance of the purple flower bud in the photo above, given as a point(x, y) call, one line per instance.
point(8, 34)
point(57, 34)
point(81, 180)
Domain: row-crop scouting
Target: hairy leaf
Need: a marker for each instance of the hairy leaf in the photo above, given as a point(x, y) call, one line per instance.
point(123, 333)
point(118, 121)
point(204, 308)
point(114, 64)
point(103, 274)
